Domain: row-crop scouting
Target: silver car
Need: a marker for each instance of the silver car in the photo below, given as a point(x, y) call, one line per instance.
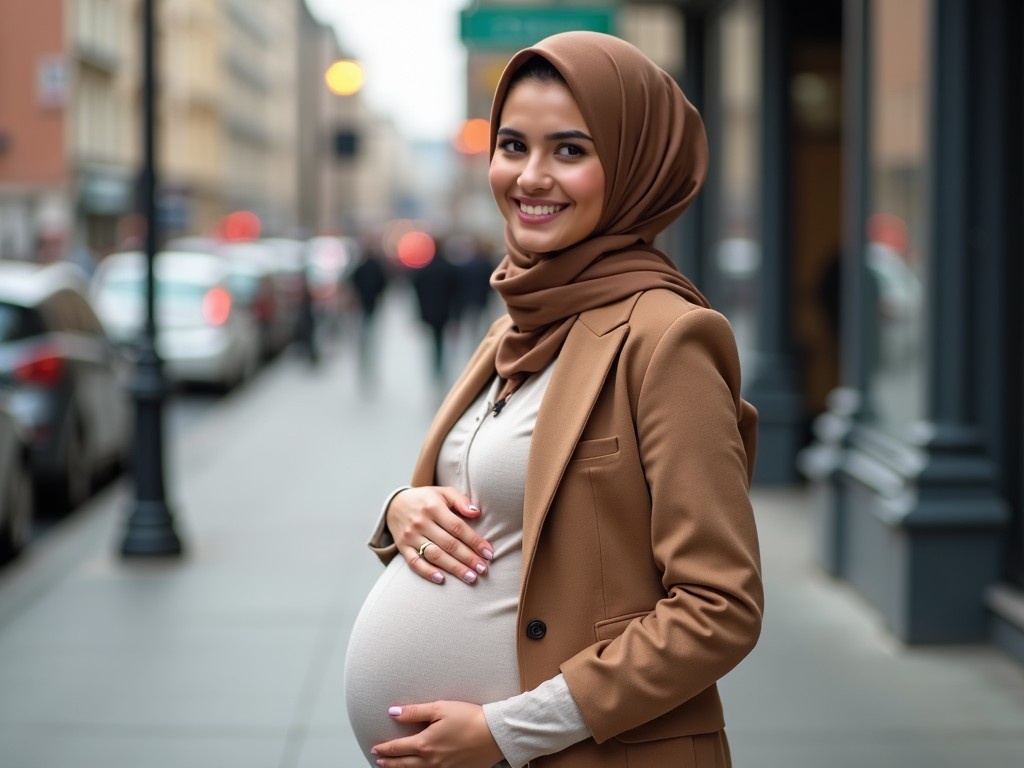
point(204, 334)
point(65, 380)
point(278, 310)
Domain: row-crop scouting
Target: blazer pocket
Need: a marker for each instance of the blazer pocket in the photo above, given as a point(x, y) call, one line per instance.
point(609, 629)
point(592, 449)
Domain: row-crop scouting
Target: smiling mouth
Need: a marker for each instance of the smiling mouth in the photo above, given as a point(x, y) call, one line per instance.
point(539, 210)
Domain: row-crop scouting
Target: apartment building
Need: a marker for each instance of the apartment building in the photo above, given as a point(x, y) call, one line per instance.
point(65, 163)
point(244, 121)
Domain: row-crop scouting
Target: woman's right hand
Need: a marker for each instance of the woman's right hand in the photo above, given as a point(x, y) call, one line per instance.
point(438, 515)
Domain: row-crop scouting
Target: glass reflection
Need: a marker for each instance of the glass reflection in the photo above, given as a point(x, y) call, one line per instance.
point(896, 250)
point(737, 247)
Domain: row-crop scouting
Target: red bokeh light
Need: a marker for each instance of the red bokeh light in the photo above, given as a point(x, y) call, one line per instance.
point(217, 306)
point(416, 249)
point(241, 225)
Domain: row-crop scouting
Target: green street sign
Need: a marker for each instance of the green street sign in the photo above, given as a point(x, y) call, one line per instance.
point(511, 27)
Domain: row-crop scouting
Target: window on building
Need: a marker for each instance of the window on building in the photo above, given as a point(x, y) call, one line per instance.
point(736, 246)
point(896, 247)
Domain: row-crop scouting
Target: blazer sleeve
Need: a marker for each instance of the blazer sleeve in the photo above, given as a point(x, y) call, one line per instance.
point(696, 453)
point(381, 543)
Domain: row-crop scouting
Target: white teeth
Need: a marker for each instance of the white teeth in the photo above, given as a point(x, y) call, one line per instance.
point(539, 210)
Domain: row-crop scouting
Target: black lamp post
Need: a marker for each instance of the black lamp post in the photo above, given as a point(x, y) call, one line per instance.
point(150, 529)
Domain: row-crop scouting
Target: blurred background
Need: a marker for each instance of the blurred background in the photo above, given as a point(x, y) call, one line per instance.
point(323, 210)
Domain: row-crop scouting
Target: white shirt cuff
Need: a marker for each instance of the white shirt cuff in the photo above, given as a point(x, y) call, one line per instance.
point(539, 722)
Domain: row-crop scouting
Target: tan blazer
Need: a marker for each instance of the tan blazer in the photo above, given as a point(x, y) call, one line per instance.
point(641, 575)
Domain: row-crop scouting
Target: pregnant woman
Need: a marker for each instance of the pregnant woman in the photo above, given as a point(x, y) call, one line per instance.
point(575, 562)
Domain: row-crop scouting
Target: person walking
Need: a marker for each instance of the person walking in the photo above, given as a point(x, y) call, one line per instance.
point(475, 287)
point(369, 280)
point(574, 564)
point(436, 284)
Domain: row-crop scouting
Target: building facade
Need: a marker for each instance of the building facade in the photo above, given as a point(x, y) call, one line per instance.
point(861, 227)
point(244, 121)
point(66, 161)
point(228, 112)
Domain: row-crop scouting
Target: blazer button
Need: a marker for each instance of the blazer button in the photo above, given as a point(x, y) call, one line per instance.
point(536, 629)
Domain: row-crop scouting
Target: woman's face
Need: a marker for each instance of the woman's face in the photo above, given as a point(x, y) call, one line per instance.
point(545, 174)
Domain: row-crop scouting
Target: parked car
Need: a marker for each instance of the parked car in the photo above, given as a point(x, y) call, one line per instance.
point(66, 380)
point(291, 259)
point(278, 310)
point(329, 261)
point(254, 288)
point(15, 485)
point(268, 279)
point(204, 334)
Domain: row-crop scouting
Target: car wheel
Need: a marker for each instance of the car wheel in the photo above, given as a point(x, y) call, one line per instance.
point(18, 527)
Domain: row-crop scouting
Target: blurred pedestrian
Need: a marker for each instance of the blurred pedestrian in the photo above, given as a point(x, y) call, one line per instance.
point(475, 286)
point(586, 483)
point(368, 279)
point(307, 331)
point(437, 296)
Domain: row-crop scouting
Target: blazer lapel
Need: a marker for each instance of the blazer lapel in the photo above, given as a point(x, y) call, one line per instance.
point(580, 371)
point(478, 372)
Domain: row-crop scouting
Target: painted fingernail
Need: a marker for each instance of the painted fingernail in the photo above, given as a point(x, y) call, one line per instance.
point(395, 711)
point(481, 568)
point(470, 577)
point(474, 508)
point(488, 554)
point(437, 578)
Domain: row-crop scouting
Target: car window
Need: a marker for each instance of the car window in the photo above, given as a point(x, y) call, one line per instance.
point(69, 312)
point(244, 287)
point(17, 323)
point(83, 319)
point(166, 290)
point(59, 312)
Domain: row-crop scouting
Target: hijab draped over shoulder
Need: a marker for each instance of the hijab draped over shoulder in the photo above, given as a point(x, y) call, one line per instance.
point(653, 149)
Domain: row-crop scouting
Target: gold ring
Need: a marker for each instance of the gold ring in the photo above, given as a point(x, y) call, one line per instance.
point(423, 548)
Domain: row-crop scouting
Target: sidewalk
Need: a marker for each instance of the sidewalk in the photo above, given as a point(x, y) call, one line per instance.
point(233, 655)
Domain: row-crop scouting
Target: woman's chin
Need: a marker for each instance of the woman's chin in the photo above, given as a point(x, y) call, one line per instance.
point(542, 246)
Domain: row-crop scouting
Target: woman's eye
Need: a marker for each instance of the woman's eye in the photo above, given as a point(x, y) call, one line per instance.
point(571, 150)
point(512, 145)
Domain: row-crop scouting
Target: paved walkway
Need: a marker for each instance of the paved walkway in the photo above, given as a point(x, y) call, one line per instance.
point(233, 655)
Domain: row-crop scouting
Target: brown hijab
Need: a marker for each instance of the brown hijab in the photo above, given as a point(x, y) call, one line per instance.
point(653, 150)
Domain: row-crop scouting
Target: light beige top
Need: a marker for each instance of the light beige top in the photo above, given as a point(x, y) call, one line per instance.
point(414, 641)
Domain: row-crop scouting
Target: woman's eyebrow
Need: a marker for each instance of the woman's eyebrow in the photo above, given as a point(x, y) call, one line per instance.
point(560, 135)
point(557, 136)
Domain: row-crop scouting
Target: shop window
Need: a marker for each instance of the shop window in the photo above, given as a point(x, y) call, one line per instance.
point(896, 250)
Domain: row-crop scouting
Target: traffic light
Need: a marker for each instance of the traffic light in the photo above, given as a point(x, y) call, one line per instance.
point(346, 143)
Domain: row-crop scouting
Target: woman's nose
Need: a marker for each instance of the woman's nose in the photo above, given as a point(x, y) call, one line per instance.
point(534, 174)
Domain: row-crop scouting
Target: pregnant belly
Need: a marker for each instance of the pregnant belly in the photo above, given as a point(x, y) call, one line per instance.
point(415, 642)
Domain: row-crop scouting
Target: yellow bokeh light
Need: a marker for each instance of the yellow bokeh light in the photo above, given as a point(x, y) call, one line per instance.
point(344, 77)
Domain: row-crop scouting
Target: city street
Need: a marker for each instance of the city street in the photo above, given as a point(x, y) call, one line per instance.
point(233, 655)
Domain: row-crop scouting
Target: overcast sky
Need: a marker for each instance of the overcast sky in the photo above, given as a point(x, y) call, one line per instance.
point(414, 62)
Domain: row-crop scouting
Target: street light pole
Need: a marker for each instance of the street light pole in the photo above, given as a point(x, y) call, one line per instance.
point(150, 528)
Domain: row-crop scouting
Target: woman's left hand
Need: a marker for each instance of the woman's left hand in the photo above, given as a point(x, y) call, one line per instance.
point(457, 737)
